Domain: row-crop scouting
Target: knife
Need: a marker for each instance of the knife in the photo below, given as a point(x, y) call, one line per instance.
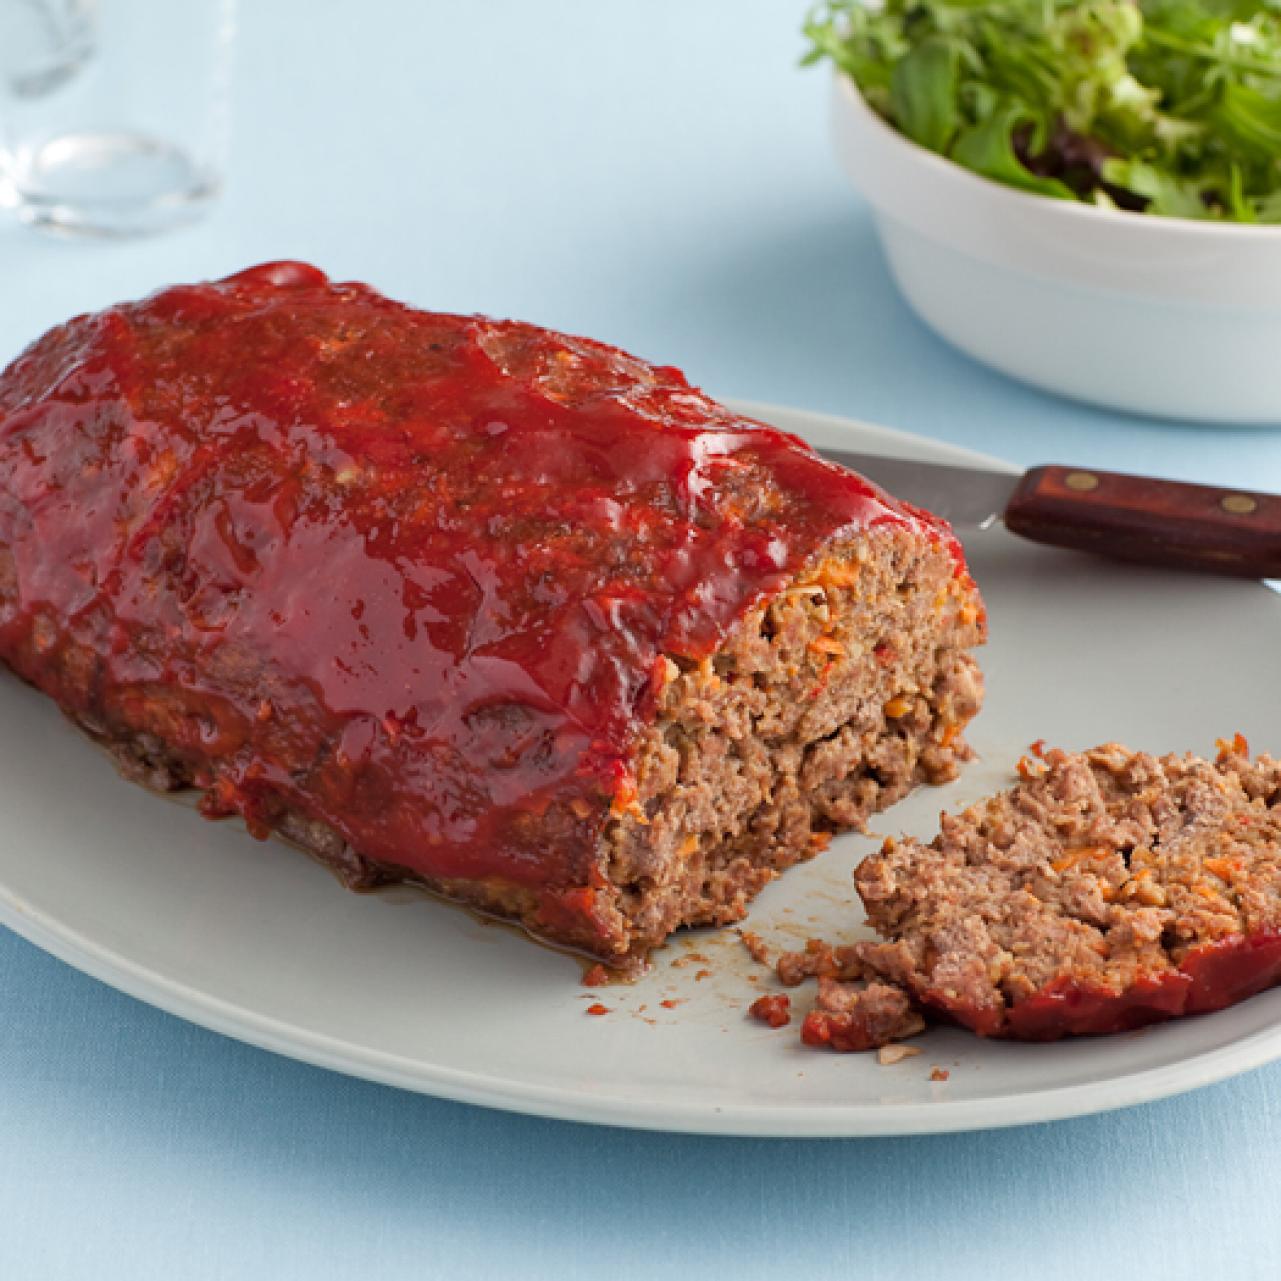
point(1136, 518)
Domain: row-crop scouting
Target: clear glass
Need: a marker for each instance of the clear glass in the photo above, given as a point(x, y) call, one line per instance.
point(114, 114)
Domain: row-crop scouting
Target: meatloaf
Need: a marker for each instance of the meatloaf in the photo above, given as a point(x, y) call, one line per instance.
point(1109, 889)
point(507, 613)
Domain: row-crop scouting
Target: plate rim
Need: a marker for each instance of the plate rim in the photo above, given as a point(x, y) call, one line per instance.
point(855, 1120)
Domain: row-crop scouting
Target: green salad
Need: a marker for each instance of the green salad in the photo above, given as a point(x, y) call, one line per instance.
point(1162, 106)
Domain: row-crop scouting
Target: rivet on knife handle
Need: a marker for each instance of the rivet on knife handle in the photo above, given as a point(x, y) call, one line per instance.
point(1159, 522)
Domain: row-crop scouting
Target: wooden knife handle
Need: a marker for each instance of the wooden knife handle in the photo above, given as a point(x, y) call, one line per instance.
point(1159, 522)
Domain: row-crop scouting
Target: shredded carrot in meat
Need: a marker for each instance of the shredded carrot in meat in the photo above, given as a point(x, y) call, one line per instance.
point(1077, 854)
point(898, 706)
point(627, 802)
point(835, 574)
point(1235, 746)
point(1223, 868)
point(1028, 768)
point(827, 645)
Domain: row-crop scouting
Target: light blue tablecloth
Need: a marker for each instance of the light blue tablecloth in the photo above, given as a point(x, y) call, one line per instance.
point(656, 175)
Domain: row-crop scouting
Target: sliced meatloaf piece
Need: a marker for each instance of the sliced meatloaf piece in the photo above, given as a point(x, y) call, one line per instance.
point(467, 602)
point(1107, 890)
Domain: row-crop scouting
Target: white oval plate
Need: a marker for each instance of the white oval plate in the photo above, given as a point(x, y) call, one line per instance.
point(256, 941)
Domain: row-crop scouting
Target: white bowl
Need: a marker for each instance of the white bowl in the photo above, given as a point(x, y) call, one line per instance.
point(1163, 316)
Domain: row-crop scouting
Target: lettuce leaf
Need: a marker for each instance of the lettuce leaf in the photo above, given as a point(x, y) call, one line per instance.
point(1171, 107)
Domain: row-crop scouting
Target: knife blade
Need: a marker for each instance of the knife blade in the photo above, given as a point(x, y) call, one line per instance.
point(1137, 518)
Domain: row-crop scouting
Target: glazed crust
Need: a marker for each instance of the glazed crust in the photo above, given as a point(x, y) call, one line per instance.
point(435, 595)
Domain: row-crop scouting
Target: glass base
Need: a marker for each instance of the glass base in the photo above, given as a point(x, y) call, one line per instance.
point(109, 184)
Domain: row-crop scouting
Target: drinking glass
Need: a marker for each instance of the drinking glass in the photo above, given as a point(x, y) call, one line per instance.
point(114, 114)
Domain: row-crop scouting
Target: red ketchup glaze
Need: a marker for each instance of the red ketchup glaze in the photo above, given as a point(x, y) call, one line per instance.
point(774, 1009)
point(1064, 1008)
point(411, 574)
point(1210, 977)
point(1228, 971)
point(845, 1032)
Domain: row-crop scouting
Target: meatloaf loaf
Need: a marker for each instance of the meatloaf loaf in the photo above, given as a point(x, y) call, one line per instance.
point(504, 612)
point(1109, 889)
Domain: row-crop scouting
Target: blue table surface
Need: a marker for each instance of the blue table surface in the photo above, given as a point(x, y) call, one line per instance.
point(657, 176)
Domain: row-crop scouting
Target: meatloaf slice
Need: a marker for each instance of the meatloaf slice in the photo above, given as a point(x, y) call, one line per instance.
point(1107, 890)
point(467, 602)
